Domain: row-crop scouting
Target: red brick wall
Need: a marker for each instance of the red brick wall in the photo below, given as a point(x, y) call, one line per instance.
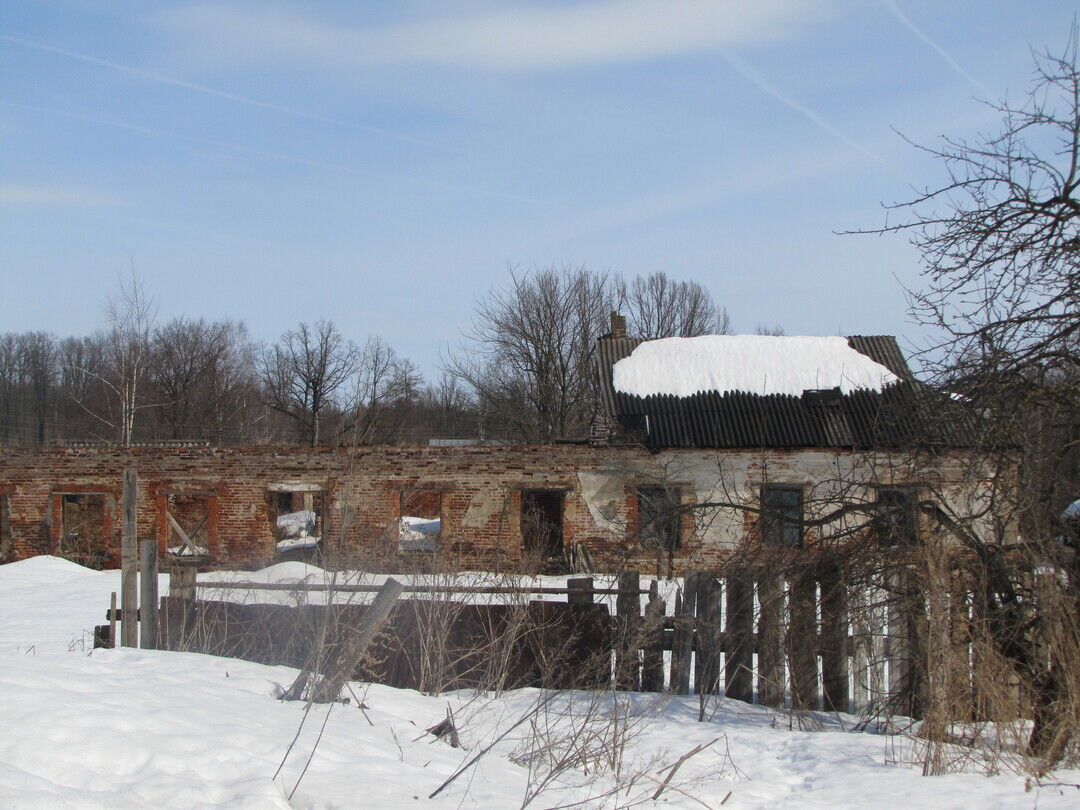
point(369, 483)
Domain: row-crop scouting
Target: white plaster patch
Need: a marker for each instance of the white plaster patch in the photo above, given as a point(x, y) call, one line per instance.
point(602, 492)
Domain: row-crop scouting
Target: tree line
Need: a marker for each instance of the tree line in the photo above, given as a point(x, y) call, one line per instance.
point(523, 371)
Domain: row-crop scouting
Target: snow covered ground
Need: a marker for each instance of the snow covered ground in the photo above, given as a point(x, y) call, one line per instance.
point(129, 729)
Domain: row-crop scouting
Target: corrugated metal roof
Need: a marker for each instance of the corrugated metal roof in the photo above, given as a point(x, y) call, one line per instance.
point(863, 419)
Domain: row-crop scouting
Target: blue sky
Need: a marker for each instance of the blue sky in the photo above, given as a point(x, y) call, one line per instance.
point(382, 164)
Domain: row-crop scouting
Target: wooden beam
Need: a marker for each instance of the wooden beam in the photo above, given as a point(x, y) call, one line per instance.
point(148, 592)
point(129, 553)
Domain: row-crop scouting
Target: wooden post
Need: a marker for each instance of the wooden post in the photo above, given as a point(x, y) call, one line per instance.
point(129, 553)
point(834, 639)
point(182, 580)
point(738, 669)
point(683, 643)
point(802, 639)
point(112, 619)
point(148, 595)
point(771, 641)
point(652, 669)
point(628, 617)
point(584, 586)
point(353, 650)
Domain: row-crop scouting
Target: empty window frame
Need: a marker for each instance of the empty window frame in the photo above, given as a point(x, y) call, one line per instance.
point(85, 528)
point(658, 517)
point(782, 515)
point(542, 523)
point(420, 520)
point(296, 516)
point(896, 522)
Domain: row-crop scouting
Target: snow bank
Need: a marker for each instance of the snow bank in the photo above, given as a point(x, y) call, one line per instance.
point(758, 364)
point(293, 525)
point(419, 534)
point(125, 729)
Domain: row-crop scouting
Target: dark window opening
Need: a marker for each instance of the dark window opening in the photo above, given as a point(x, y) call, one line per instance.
point(420, 526)
point(82, 529)
point(542, 523)
point(896, 523)
point(782, 516)
point(658, 517)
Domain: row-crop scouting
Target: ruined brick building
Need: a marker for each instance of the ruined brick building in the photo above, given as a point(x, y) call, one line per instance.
point(699, 444)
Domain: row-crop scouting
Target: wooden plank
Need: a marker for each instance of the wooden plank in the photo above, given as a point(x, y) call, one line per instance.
point(834, 639)
point(738, 668)
point(129, 553)
point(148, 593)
point(462, 589)
point(802, 640)
point(771, 640)
point(710, 633)
point(652, 669)
point(112, 619)
point(354, 648)
point(684, 636)
point(185, 541)
point(628, 624)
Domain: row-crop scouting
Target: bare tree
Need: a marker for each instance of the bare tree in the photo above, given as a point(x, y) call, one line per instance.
point(660, 307)
point(775, 330)
point(38, 359)
point(125, 350)
point(304, 372)
point(200, 370)
point(1000, 243)
point(529, 354)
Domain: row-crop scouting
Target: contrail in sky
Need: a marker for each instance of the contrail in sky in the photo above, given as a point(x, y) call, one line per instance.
point(944, 54)
point(264, 153)
point(753, 76)
point(210, 91)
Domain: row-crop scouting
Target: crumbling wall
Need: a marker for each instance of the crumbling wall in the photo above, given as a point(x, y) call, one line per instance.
point(480, 492)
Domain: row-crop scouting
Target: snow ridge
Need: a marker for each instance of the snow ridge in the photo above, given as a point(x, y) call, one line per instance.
point(756, 364)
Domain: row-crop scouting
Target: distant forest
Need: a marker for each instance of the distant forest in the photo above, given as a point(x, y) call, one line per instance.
point(523, 371)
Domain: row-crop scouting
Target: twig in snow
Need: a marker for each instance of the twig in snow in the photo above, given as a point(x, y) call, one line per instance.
point(678, 764)
point(539, 705)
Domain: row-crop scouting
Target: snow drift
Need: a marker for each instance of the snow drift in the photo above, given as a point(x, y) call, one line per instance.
point(757, 364)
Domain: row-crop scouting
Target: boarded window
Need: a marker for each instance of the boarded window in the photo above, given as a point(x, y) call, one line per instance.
point(658, 517)
point(420, 524)
point(296, 517)
point(188, 518)
point(782, 515)
point(896, 523)
point(83, 520)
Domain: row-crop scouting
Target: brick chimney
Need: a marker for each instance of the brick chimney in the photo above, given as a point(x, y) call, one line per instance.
point(618, 326)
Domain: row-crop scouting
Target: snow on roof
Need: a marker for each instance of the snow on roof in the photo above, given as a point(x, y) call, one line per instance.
point(1072, 510)
point(757, 364)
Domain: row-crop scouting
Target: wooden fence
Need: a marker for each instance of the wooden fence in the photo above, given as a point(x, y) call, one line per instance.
point(805, 640)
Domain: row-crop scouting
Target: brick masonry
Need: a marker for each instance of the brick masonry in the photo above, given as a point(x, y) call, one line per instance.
point(228, 495)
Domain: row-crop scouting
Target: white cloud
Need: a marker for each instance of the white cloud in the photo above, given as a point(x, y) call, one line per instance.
point(11, 193)
point(534, 37)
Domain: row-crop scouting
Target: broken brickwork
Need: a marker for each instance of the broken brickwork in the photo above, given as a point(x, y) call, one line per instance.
point(226, 499)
